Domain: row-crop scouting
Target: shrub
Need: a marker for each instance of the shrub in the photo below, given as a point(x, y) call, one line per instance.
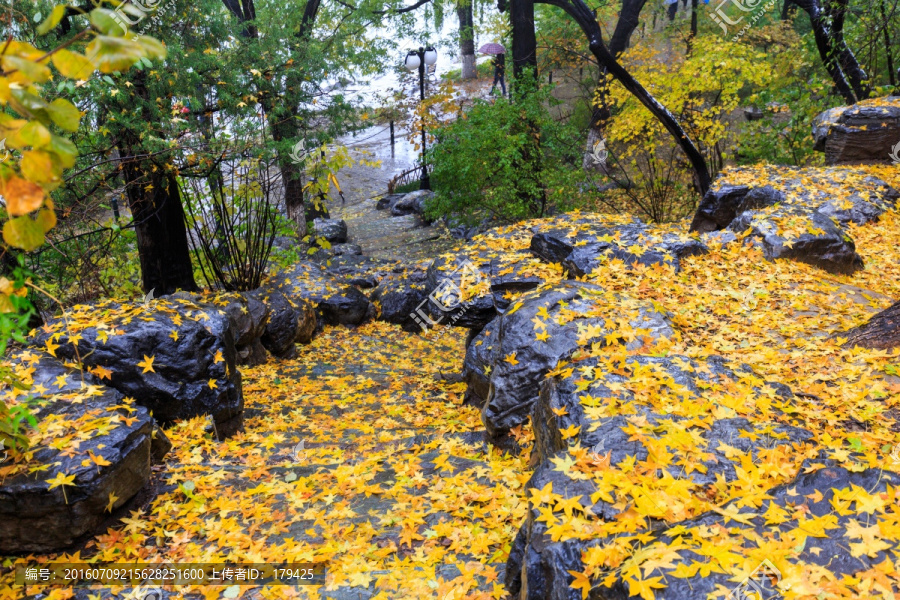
point(504, 160)
point(233, 225)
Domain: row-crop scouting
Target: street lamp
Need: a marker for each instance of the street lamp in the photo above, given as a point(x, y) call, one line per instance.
point(419, 59)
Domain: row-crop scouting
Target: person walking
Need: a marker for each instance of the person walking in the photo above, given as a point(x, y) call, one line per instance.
point(499, 62)
point(673, 9)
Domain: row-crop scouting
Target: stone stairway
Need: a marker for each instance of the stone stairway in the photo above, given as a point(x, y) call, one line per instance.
point(357, 454)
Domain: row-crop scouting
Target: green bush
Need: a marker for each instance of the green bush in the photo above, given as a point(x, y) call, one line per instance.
point(504, 160)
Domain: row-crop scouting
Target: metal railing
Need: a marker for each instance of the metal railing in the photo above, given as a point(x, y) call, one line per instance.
point(406, 177)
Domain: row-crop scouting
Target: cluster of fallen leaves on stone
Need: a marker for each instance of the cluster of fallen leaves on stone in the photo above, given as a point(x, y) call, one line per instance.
point(392, 489)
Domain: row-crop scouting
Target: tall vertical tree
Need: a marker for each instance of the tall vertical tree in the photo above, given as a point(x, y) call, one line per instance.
point(524, 39)
point(840, 63)
point(466, 16)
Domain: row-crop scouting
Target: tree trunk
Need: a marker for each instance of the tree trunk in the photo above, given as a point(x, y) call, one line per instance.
point(467, 38)
point(881, 332)
point(787, 10)
point(855, 73)
point(579, 11)
point(825, 45)
point(887, 44)
point(524, 40)
point(629, 18)
point(694, 23)
point(155, 201)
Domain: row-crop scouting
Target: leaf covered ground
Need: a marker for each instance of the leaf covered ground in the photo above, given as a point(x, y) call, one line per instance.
point(394, 491)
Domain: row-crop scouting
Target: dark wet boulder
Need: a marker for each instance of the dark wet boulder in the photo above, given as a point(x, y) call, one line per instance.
point(867, 132)
point(810, 238)
point(549, 325)
point(291, 321)
point(881, 332)
point(346, 249)
point(175, 357)
point(576, 403)
point(248, 316)
point(347, 307)
point(397, 301)
point(480, 357)
point(659, 437)
point(387, 202)
point(840, 193)
point(333, 230)
point(720, 206)
point(581, 243)
point(412, 203)
point(335, 302)
point(356, 269)
point(847, 547)
point(108, 465)
point(470, 287)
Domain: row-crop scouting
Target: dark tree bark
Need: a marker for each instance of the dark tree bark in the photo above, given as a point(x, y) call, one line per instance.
point(466, 38)
point(887, 44)
point(159, 224)
point(155, 202)
point(524, 40)
point(629, 19)
point(825, 44)
point(582, 15)
point(694, 24)
point(837, 9)
point(787, 10)
point(881, 332)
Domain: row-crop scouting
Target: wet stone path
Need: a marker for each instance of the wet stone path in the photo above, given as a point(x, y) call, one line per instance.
point(357, 455)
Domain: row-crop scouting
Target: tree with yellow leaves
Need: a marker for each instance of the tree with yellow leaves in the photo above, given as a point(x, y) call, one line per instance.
point(34, 132)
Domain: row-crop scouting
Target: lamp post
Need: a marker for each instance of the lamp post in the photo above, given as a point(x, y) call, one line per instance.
point(419, 59)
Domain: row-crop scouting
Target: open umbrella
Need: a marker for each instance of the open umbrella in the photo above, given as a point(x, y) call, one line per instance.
point(492, 48)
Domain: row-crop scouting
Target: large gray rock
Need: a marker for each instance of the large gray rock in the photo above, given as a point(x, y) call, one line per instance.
point(867, 132)
point(720, 206)
point(594, 413)
point(333, 230)
point(822, 243)
point(290, 321)
point(469, 288)
point(800, 214)
point(548, 326)
point(831, 192)
point(348, 307)
point(581, 243)
point(193, 370)
point(388, 201)
point(480, 357)
point(849, 551)
point(35, 518)
point(412, 203)
point(335, 302)
point(248, 316)
point(399, 297)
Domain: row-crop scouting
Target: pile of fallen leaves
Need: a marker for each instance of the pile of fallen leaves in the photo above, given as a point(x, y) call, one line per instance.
point(359, 455)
